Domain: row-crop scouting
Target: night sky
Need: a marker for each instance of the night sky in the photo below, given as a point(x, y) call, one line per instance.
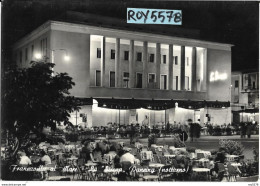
point(235, 23)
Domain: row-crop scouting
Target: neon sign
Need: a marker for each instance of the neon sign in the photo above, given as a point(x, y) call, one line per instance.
point(215, 76)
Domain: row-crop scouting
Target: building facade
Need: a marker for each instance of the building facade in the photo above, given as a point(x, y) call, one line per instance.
point(112, 65)
point(245, 96)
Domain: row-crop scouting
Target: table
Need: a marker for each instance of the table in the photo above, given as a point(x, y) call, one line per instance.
point(197, 171)
point(231, 157)
point(156, 165)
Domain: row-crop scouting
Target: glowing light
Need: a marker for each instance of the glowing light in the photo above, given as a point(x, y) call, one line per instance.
point(38, 56)
point(215, 76)
point(66, 58)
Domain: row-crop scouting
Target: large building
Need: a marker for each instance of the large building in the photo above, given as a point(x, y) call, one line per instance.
point(134, 76)
point(245, 96)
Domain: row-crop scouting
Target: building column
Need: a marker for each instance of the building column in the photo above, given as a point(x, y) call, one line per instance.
point(145, 65)
point(103, 61)
point(131, 65)
point(194, 69)
point(158, 64)
point(182, 67)
point(118, 78)
point(170, 85)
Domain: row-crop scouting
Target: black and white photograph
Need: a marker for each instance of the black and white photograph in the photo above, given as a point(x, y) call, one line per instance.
point(129, 91)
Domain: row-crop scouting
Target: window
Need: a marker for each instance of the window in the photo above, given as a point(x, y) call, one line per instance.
point(163, 84)
point(187, 61)
point(175, 83)
point(236, 84)
point(44, 46)
point(164, 59)
point(151, 58)
point(26, 54)
point(98, 78)
point(98, 52)
point(175, 58)
point(21, 56)
point(187, 82)
point(112, 79)
point(151, 78)
point(113, 54)
point(139, 79)
point(125, 79)
point(139, 56)
point(32, 50)
point(126, 55)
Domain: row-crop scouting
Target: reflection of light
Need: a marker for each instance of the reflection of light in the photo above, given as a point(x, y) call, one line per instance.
point(223, 107)
point(38, 56)
point(149, 107)
point(215, 76)
point(104, 105)
point(66, 58)
point(176, 105)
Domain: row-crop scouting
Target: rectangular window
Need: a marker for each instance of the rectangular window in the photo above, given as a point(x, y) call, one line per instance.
point(175, 83)
point(26, 54)
point(175, 58)
point(98, 52)
point(187, 61)
point(236, 84)
point(98, 78)
point(164, 59)
point(151, 58)
point(187, 82)
point(113, 54)
point(112, 79)
point(125, 79)
point(139, 80)
point(163, 83)
point(139, 56)
point(151, 78)
point(44, 46)
point(126, 55)
point(21, 56)
point(32, 50)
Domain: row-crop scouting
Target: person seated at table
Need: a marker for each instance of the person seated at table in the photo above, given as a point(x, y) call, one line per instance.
point(23, 159)
point(220, 157)
point(127, 156)
point(87, 150)
point(103, 146)
point(45, 158)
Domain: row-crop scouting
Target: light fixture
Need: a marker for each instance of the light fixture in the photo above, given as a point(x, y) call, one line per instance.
point(66, 58)
point(38, 56)
point(149, 107)
point(176, 104)
point(104, 105)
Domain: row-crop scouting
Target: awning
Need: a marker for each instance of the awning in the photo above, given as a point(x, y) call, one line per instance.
point(126, 104)
point(84, 101)
point(247, 111)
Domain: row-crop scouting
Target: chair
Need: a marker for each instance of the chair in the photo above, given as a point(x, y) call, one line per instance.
point(200, 155)
point(232, 172)
point(222, 171)
point(165, 175)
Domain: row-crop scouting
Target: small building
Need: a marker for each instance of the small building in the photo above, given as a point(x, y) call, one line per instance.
point(245, 96)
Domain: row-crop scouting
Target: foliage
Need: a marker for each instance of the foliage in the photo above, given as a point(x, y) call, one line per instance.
point(33, 98)
point(231, 147)
point(152, 139)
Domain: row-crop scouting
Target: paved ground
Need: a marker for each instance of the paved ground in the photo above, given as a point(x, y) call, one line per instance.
point(211, 143)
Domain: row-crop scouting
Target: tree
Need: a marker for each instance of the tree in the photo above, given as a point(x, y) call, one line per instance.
point(34, 97)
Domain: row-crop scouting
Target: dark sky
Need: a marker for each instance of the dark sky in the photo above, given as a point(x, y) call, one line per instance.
point(236, 23)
